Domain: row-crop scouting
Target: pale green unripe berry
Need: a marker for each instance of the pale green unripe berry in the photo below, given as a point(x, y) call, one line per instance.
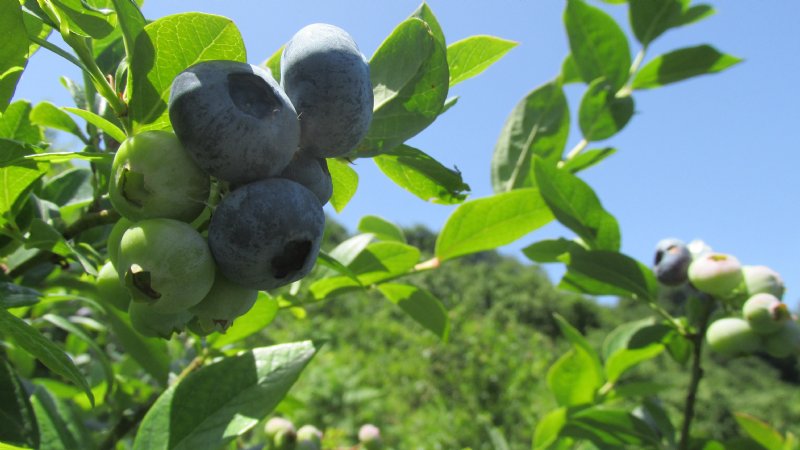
point(716, 274)
point(309, 437)
point(370, 437)
point(277, 424)
point(785, 342)
point(732, 336)
point(765, 313)
point(762, 279)
point(281, 434)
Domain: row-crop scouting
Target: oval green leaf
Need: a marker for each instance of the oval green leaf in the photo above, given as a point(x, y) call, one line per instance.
point(602, 114)
point(471, 56)
point(421, 305)
point(345, 183)
point(681, 64)
point(423, 176)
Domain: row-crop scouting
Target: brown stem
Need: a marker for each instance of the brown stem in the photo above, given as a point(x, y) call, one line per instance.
point(694, 382)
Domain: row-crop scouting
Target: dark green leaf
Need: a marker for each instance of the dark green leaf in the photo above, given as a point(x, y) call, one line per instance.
point(654, 414)
point(274, 64)
point(491, 222)
point(381, 261)
point(650, 18)
point(257, 319)
point(423, 176)
point(48, 115)
point(548, 429)
point(610, 427)
point(150, 353)
point(100, 122)
point(381, 228)
point(345, 183)
point(602, 114)
point(70, 186)
point(620, 337)
point(471, 56)
point(84, 21)
point(538, 126)
point(550, 250)
point(681, 64)
point(14, 51)
point(214, 405)
point(15, 124)
point(569, 71)
point(410, 82)
point(131, 24)
point(587, 159)
point(760, 431)
point(60, 425)
point(601, 272)
point(168, 46)
point(421, 305)
point(576, 206)
point(18, 425)
point(598, 45)
point(13, 295)
point(694, 14)
point(43, 349)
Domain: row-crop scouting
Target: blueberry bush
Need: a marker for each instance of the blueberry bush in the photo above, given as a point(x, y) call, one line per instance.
point(139, 272)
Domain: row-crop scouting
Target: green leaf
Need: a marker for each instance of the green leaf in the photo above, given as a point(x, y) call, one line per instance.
point(538, 126)
point(348, 250)
point(15, 183)
point(60, 425)
point(639, 389)
point(381, 228)
point(695, 14)
point(410, 81)
point(598, 45)
point(13, 295)
point(576, 206)
point(382, 261)
point(100, 122)
point(62, 157)
point(601, 272)
point(578, 341)
point(43, 349)
point(48, 115)
point(71, 186)
point(15, 124)
point(14, 51)
point(602, 114)
point(258, 318)
point(569, 71)
point(150, 353)
point(274, 64)
point(548, 428)
point(651, 18)
point(425, 14)
point(760, 431)
point(131, 24)
point(681, 64)
point(491, 222)
point(19, 422)
point(471, 56)
point(333, 286)
point(82, 20)
point(587, 159)
point(214, 405)
point(167, 47)
point(332, 263)
point(550, 250)
point(610, 427)
point(345, 183)
point(423, 176)
point(45, 237)
point(626, 359)
point(620, 337)
point(654, 414)
point(573, 379)
point(421, 305)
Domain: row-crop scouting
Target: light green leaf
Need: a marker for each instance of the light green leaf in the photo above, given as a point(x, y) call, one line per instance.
point(258, 318)
point(13, 52)
point(760, 431)
point(15, 124)
point(423, 176)
point(345, 183)
point(82, 20)
point(150, 353)
point(331, 287)
point(573, 379)
point(548, 428)
point(625, 359)
point(274, 64)
point(681, 64)
point(43, 349)
point(620, 337)
point(217, 403)
point(62, 157)
point(381, 228)
point(538, 126)
point(349, 249)
point(19, 422)
point(577, 207)
point(598, 45)
point(425, 14)
point(491, 222)
point(60, 425)
point(639, 389)
point(100, 122)
point(15, 183)
point(410, 82)
point(168, 46)
point(578, 340)
point(48, 115)
point(131, 24)
point(550, 250)
point(569, 71)
point(600, 272)
point(587, 159)
point(602, 114)
point(381, 261)
point(471, 56)
point(607, 427)
point(421, 305)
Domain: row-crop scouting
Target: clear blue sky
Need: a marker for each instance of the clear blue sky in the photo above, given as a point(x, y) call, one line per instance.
point(711, 158)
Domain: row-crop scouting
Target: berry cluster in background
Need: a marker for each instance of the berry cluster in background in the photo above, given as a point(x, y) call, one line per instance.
point(746, 301)
point(281, 434)
point(230, 203)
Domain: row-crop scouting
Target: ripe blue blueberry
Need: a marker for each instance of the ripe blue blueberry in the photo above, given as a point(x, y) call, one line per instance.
point(672, 262)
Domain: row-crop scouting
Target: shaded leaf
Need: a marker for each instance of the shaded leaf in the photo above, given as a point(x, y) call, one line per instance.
point(650, 18)
point(471, 56)
point(587, 159)
point(60, 426)
point(601, 272)
point(681, 64)
point(421, 305)
point(150, 353)
point(18, 424)
point(217, 403)
point(620, 337)
point(83, 21)
point(345, 183)
point(538, 126)
point(13, 52)
point(550, 250)
point(13, 295)
point(569, 71)
point(602, 114)
point(491, 222)
point(610, 427)
point(423, 176)
point(73, 185)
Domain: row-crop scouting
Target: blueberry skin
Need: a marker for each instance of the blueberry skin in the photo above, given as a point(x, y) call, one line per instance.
point(234, 120)
point(312, 173)
point(672, 262)
point(266, 234)
point(327, 79)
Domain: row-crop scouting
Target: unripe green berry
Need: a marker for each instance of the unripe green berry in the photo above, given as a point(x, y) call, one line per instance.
point(732, 336)
point(110, 288)
point(785, 342)
point(762, 279)
point(309, 437)
point(278, 426)
point(716, 274)
point(765, 313)
point(370, 437)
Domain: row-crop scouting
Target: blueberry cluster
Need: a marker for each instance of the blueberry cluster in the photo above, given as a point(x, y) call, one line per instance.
point(266, 143)
point(762, 322)
point(281, 434)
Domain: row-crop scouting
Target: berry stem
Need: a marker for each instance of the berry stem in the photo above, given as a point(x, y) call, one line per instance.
point(694, 382)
